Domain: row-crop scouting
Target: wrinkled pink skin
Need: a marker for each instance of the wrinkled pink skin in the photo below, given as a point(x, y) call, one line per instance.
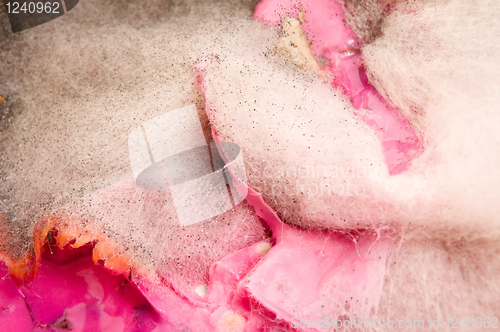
point(332, 39)
point(303, 271)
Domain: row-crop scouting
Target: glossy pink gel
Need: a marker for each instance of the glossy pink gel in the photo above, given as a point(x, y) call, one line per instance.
point(70, 292)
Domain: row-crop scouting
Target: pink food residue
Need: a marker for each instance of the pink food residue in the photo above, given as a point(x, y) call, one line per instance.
point(308, 274)
point(330, 37)
point(304, 274)
point(70, 292)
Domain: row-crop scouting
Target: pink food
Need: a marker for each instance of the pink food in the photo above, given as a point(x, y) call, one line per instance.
point(331, 38)
point(346, 214)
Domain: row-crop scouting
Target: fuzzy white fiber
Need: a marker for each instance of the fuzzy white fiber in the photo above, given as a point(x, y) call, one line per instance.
point(439, 65)
point(314, 162)
point(77, 86)
point(101, 70)
point(319, 165)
